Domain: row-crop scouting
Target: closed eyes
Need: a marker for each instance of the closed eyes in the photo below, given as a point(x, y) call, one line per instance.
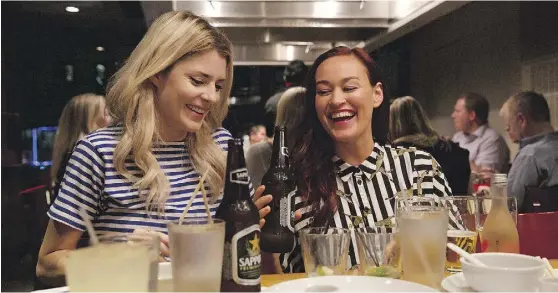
point(198, 82)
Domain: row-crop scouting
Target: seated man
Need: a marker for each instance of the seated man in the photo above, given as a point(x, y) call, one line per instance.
point(487, 148)
point(527, 119)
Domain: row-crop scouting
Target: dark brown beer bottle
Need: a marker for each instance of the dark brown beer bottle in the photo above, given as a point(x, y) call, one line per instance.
point(277, 233)
point(241, 257)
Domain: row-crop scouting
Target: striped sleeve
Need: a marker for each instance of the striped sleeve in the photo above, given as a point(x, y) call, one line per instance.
point(81, 186)
point(222, 137)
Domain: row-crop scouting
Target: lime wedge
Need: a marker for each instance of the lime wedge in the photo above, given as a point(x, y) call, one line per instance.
point(324, 271)
point(382, 271)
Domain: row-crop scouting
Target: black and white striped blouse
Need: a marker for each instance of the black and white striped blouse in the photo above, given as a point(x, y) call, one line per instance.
point(366, 193)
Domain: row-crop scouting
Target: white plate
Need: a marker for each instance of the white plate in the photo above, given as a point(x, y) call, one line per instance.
point(348, 284)
point(457, 283)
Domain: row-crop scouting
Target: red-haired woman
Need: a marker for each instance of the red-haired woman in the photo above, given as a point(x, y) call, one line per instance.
point(347, 174)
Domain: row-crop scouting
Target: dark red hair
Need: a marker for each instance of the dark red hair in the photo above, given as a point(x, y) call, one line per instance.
point(313, 148)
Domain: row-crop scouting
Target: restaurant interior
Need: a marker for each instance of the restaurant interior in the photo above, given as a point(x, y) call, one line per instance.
point(431, 50)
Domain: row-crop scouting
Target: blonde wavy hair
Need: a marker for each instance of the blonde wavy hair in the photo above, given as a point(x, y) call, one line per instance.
point(79, 117)
point(409, 123)
point(290, 108)
point(172, 37)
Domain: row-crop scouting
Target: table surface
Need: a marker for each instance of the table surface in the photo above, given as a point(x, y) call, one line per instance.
point(270, 280)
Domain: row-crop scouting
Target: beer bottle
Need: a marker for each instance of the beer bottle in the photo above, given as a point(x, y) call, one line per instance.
point(241, 257)
point(277, 233)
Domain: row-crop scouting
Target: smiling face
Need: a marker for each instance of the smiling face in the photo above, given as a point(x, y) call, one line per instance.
point(187, 93)
point(345, 99)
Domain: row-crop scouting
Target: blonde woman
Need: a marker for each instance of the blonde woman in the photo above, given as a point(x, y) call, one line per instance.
point(168, 101)
point(82, 115)
point(409, 126)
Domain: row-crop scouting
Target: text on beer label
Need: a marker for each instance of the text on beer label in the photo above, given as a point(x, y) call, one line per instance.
point(239, 176)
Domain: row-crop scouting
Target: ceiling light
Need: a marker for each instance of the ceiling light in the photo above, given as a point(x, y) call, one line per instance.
point(100, 49)
point(290, 53)
point(72, 9)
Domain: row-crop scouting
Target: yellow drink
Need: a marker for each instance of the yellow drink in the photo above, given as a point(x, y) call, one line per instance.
point(466, 240)
point(423, 244)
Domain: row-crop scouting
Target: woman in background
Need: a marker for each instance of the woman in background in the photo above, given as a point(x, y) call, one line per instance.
point(82, 115)
point(410, 127)
point(289, 114)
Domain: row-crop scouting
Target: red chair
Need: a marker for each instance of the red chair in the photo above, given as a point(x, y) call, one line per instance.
point(538, 234)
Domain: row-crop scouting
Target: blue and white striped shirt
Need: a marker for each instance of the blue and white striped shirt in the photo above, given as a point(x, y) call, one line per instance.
point(113, 205)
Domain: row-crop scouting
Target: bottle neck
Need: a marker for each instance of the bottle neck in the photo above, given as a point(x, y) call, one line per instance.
point(236, 178)
point(498, 185)
point(280, 153)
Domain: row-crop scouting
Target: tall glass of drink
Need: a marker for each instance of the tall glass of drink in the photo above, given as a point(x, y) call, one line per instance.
point(423, 225)
point(121, 262)
point(197, 254)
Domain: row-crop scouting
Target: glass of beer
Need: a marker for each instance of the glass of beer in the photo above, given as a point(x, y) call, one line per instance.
point(197, 254)
point(378, 252)
point(423, 225)
point(325, 250)
point(463, 211)
point(121, 262)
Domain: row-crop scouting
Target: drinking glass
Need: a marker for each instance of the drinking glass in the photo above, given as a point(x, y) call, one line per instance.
point(121, 262)
point(463, 210)
point(423, 225)
point(196, 247)
point(325, 250)
point(378, 252)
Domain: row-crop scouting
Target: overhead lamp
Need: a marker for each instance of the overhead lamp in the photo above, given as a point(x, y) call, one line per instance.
point(100, 49)
point(72, 9)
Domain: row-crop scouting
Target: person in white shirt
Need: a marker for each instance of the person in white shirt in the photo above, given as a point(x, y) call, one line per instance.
point(487, 148)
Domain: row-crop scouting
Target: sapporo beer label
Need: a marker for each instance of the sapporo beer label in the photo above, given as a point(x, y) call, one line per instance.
point(239, 176)
point(246, 257)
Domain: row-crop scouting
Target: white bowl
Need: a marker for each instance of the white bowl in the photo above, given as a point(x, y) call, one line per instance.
point(504, 272)
point(549, 284)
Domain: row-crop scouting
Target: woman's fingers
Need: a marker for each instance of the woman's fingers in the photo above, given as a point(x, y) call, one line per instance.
point(259, 191)
point(164, 250)
point(263, 201)
point(259, 200)
point(264, 211)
